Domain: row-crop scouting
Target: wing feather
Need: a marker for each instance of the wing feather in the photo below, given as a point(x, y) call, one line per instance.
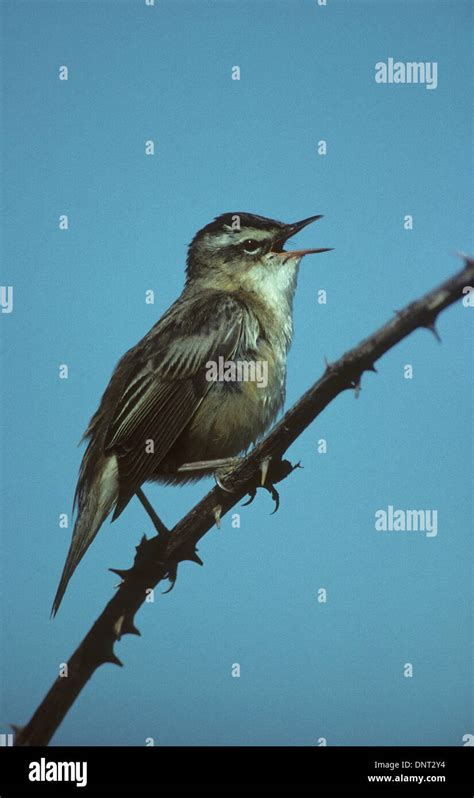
point(167, 387)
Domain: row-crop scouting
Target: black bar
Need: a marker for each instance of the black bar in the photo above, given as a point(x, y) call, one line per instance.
point(224, 770)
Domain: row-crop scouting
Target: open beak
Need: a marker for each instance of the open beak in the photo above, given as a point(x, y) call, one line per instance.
point(290, 231)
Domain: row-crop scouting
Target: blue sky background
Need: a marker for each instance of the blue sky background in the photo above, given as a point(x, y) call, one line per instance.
point(308, 670)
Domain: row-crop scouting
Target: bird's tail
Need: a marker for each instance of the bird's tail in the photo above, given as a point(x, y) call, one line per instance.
point(97, 492)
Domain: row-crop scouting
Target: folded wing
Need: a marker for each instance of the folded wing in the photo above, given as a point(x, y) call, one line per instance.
point(167, 387)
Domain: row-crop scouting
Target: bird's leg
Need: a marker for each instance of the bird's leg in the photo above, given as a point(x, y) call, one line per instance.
point(156, 520)
point(221, 467)
point(188, 551)
point(163, 533)
point(210, 465)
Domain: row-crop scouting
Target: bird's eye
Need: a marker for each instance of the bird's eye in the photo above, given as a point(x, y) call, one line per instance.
point(251, 246)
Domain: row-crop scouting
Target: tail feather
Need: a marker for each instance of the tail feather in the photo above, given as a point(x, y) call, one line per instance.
point(97, 496)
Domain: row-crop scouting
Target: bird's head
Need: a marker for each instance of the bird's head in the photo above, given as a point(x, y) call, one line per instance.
point(244, 250)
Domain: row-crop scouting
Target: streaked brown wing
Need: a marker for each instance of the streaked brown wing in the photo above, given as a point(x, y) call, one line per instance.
point(167, 388)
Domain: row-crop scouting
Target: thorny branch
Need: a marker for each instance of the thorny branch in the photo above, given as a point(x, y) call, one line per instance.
point(157, 558)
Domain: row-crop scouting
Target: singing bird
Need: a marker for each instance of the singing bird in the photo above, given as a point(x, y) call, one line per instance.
point(162, 418)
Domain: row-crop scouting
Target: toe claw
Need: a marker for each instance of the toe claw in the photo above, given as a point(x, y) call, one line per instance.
point(220, 483)
point(276, 498)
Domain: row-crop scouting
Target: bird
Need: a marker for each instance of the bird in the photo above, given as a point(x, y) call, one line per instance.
point(162, 418)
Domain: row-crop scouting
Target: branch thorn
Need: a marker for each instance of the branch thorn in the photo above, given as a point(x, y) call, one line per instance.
point(329, 366)
point(264, 469)
point(113, 659)
point(121, 573)
point(217, 510)
point(129, 628)
point(355, 384)
point(194, 557)
point(432, 328)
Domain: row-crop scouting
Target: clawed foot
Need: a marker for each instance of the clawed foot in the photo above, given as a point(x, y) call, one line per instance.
point(221, 473)
point(271, 471)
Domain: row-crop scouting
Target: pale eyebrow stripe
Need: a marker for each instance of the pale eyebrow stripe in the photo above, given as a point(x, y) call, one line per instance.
point(239, 236)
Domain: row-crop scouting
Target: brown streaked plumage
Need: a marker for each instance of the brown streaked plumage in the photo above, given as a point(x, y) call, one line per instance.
point(160, 410)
